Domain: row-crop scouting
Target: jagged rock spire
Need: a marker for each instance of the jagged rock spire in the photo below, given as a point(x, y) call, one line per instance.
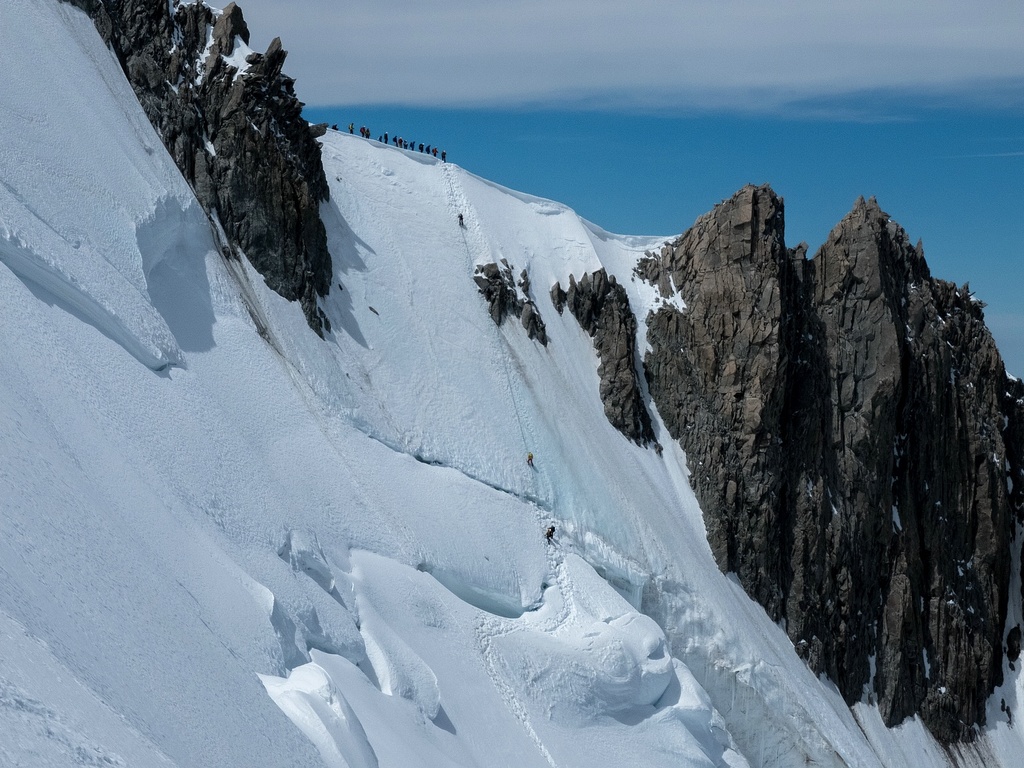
point(850, 430)
point(238, 137)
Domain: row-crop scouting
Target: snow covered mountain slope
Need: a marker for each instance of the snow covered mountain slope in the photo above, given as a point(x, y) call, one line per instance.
point(98, 266)
point(222, 548)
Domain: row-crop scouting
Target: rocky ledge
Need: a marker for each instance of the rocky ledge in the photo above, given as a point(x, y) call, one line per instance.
point(498, 287)
point(601, 307)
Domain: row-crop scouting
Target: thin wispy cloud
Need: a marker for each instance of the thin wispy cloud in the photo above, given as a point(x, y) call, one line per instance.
point(743, 54)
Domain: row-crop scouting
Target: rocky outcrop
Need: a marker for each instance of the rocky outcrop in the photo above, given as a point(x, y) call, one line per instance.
point(716, 376)
point(851, 433)
point(1014, 436)
point(601, 307)
point(498, 287)
point(235, 131)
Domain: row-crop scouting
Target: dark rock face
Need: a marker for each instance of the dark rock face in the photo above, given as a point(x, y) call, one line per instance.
point(1014, 435)
point(715, 374)
point(238, 137)
point(499, 289)
point(851, 431)
point(601, 307)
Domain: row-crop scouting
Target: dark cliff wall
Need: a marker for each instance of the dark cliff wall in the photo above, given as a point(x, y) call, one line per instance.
point(238, 138)
point(717, 376)
point(851, 433)
point(601, 307)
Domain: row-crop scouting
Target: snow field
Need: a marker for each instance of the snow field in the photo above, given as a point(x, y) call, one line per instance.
point(216, 550)
point(95, 259)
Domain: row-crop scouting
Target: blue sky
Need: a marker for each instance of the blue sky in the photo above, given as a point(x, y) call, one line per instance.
point(642, 116)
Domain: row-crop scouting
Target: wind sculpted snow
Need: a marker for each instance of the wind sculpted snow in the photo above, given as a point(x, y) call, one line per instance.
point(83, 174)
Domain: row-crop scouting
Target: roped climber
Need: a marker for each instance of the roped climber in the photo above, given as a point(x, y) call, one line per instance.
point(462, 223)
point(549, 534)
point(529, 459)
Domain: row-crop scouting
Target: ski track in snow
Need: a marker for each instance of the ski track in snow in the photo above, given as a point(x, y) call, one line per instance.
point(477, 253)
point(490, 628)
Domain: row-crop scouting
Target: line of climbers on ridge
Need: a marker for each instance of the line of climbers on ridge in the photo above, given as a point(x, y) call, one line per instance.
point(398, 141)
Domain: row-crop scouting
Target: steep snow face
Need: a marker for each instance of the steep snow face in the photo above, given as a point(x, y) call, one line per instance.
point(71, 132)
point(451, 387)
point(222, 548)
